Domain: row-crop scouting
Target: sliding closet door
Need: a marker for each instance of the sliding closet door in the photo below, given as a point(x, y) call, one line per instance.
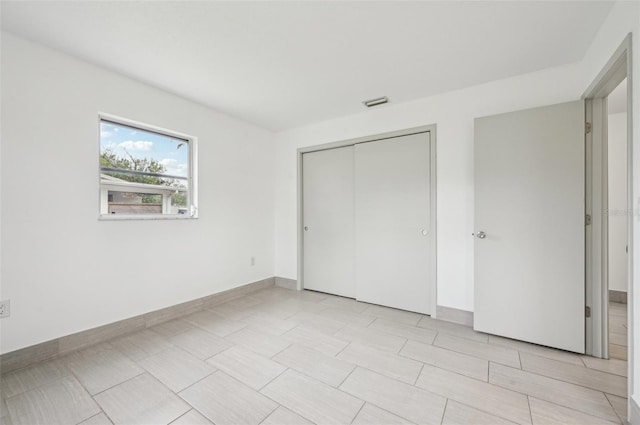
point(328, 236)
point(392, 216)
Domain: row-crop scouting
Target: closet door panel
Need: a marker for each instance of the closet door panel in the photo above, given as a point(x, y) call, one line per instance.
point(328, 235)
point(392, 222)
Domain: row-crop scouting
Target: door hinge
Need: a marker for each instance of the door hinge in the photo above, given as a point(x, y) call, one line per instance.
point(587, 127)
point(587, 311)
point(587, 220)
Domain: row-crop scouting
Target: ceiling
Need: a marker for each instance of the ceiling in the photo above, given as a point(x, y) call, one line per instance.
point(285, 64)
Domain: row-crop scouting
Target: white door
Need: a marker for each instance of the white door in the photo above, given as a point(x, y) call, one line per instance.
point(328, 237)
point(393, 234)
point(529, 226)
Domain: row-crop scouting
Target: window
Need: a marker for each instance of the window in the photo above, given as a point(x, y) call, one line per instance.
point(144, 172)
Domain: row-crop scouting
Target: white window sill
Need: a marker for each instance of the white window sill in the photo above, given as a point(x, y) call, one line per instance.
point(120, 217)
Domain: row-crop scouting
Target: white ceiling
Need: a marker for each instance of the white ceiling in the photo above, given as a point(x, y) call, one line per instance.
point(286, 64)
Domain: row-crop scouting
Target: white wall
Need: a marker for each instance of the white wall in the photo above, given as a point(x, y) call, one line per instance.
point(453, 113)
point(66, 271)
point(617, 140)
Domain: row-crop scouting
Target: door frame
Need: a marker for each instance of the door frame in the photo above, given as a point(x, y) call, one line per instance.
point(431, 129)
point(596, 202)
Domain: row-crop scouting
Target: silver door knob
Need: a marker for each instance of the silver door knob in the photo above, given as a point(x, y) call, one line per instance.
point(424, 232)
point(306, 228)
point(479, 235)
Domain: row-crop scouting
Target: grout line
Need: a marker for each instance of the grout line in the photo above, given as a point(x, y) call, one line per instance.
point(444, 411)
point(119, 383)
point(347, 377)
point(286, 368)
point(359, 410)
point(406, 340)
point(519, 359)
point(529, 406)
point(184, 414)
point(415, 382)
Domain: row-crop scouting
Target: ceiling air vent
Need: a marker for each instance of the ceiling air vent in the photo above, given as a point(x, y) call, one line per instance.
point(376, 102)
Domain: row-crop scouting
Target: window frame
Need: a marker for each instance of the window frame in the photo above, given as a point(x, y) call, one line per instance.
point(192, 172)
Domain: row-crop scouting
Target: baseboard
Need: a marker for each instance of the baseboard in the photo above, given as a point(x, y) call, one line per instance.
point(60, 346)
point(448, 314)
point(634, 412)
point(617, 296)
point(287, 283)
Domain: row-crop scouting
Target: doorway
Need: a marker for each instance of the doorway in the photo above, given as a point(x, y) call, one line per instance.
point(617, 213)
point(609, 224)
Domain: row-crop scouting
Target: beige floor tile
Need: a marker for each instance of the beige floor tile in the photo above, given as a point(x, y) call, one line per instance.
point(318, 402)
point(296, 305)
point(538, 350)
point(32, 377)
point(141, 400)
point(5, 420)
point(200, 343)
point(192, 417)
point(617, 352)
point(176, 368)
point(373, 338)
point(463, 364)
point(383, 362)
point(618, 324)
point(460, 414)
point(393, 315)
point(316, 340)
point(214, 323)
point(101, 367)
point(315, 364)
point(345, 304)
point(404, 331)
point(347, 316)
point(224, 400)
point(311, 296)
point(268, 324)
point(489, 398)
point(414, 404)
point(619, 405)
point(172, 327)
point(247, 367)
point(580, 375)
point(99, 419)
point(232, 312)
point(545, 413)
point(565, 394)
point(620, 308)
point(284, 416)
point(618, 339)
point(62, 401)
point(259, 342)
point(452, 329)
point(370, 414)
point(246, 301)
point(273, 294)
point(141, 344)
point(318, 322)
point(493, 353)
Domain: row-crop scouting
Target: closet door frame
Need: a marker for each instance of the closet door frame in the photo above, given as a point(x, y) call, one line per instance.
point(431, 129)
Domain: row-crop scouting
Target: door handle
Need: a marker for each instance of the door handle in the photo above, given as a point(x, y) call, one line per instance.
point(479, 235)
point(306, 228)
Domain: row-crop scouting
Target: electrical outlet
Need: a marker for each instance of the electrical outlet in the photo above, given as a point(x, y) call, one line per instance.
point(253, 261)
point(5, 308)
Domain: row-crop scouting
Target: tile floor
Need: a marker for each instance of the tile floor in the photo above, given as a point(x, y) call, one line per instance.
point(284, 357)
point(618, 331)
